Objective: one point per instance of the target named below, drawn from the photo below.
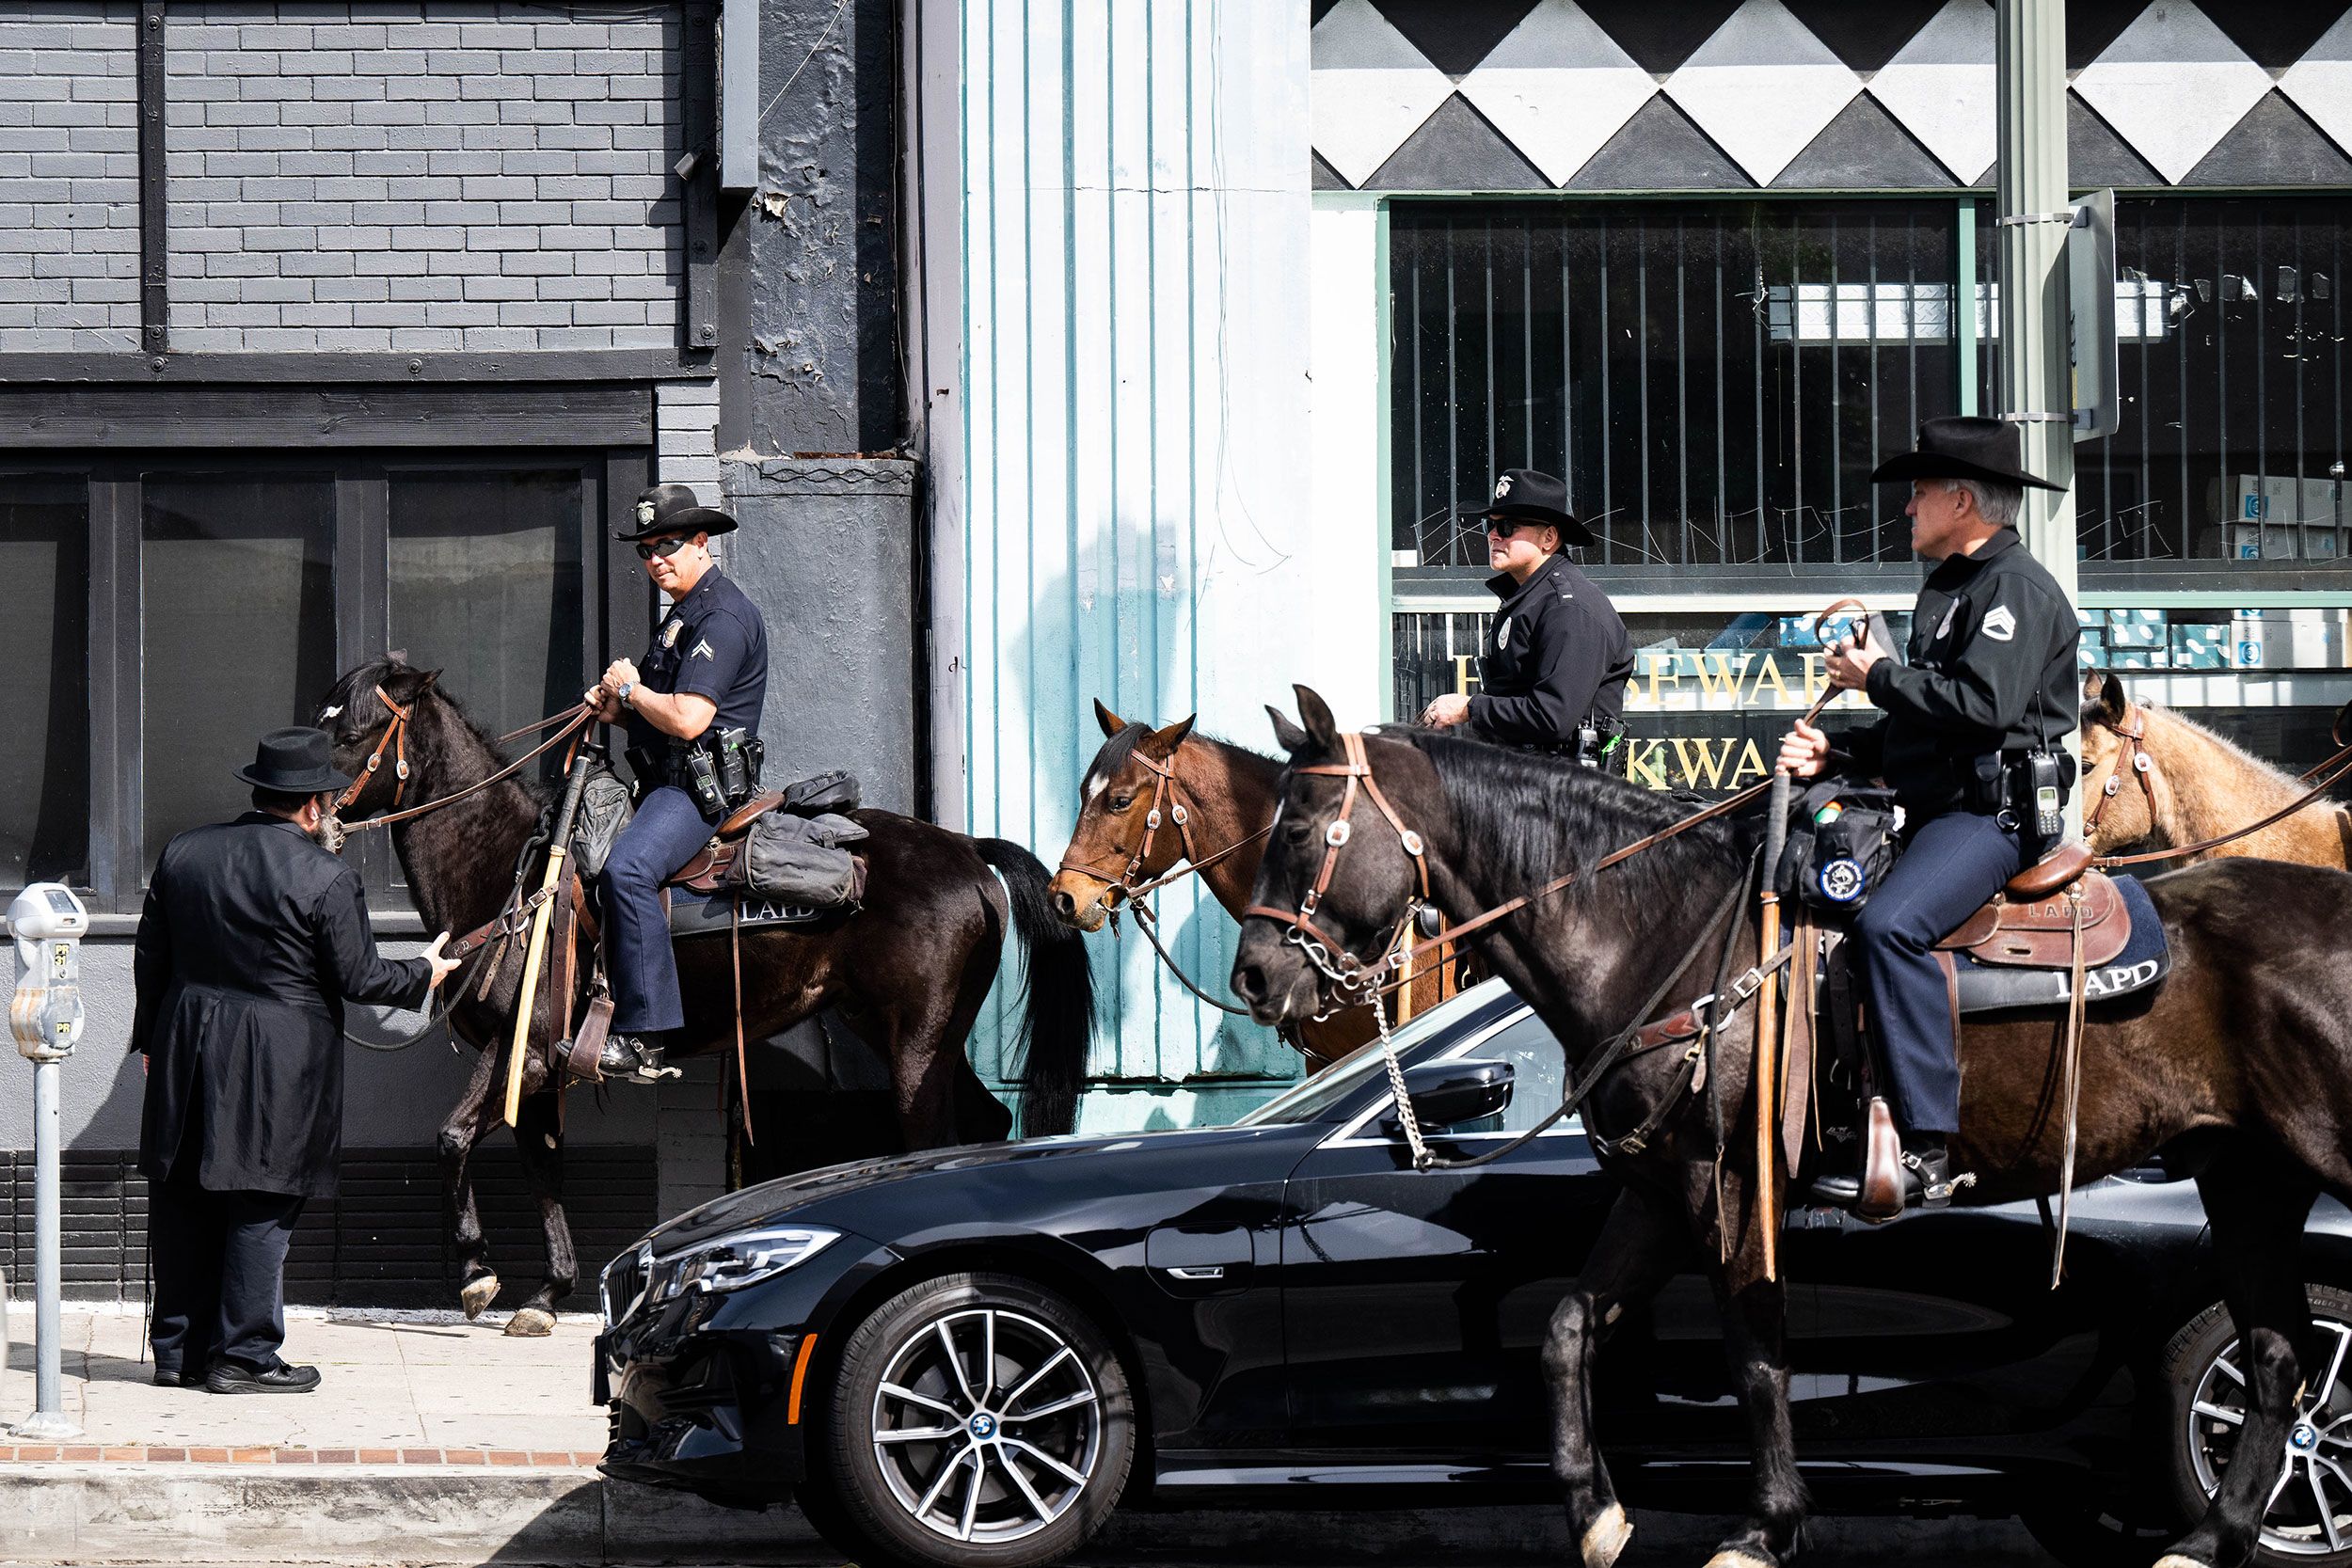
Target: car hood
(1110, 1163)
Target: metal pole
(48, 1419)
(2036, 382)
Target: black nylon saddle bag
(1841, 844)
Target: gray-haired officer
(1554, 669)
(1976, 719)
(693, 712)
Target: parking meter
(45, 1012)
(45, 1015)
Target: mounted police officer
(692, 714)
(1976, 725)
(1554, 669)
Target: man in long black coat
(252, 940)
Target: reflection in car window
(1537, 1065)
(1312, 1098)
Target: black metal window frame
(612, 590)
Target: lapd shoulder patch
(1999, 625)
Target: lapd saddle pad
(694, 914)
(2144, 959)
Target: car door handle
(1198, 1270)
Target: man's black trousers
(220, 1268)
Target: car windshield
(1312, 1098)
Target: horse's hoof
(478, 1294)
(2174, 1559)
(529, 1322)
(1606, 1537)
(1744, 1560)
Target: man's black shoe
(1927, 1182)
(174, 1378)
(634, 1057)
(227, 1377)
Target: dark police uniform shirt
(712, 643)
(1554, 653)
(1990, 669)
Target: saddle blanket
(692, 915)
(2144, 963)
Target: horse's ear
(1287, 734)
(1112, 723)
(428, 678)
(1163, 743)
(2105, 701)
(1317, 715)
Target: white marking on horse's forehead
(1095, 784)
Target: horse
(908, 970)
(2193, 786)
(1226, 795)
(2248, 1046)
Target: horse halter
(2132, 729)
(1346, 971)
(396, 736)
(1167, 805)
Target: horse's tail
(1058, 1029)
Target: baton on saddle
(537, 950)
(1766, 1072)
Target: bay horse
(2196, 786)
(1228, 794)
(908, 970)
(2248, 1045)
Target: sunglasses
(648, 549)
(1504, 527)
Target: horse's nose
(1249, 983)
(1064, 905)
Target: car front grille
(625, 1283)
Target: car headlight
(732, 1262)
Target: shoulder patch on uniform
(703, 650)
(1999, 625)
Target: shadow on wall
(1060, 642)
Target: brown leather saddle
(708, 871)
(2030, 923)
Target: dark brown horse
(2241, 1061)
(1228, 794)
(908, 971)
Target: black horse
(2242, 1062)
(908, 971)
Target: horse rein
(2328, 773)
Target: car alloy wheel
(986, 1426)
(2309, 1517)
(975, 1420)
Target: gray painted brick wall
(69, 177)
(685, 419)
(452, 176)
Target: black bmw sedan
(972, 1356)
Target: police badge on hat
(644, 513)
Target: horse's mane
(1119, 748)
(2265, 772)
(1530, 819)
(360, 686)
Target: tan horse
(1226, 796)
(2193, 786)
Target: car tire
(2204, 1400)
(1027, 1424)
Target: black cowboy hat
(1537, 497)
(293, 762)
(673, 509)
(1963, 445)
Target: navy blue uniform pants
(664, 834)
(220, 1274)
(1953, 864)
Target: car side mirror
(1446, 1094)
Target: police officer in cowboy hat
(692, 713)
(252, 940)
(1553, 672)
(1977, 715)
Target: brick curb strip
(84, 1453)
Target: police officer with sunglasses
(1554, 669)
(692, 714)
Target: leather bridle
(1167, 806)
(2132, 731)
(570, 721)
(396, 736)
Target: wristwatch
(621, 695)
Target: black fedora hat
(673, 509)
(1964, 446)
(1537, 497)
(294, 761)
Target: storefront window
(238, 625)
(486, 579)
(44, 705)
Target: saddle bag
(1841, 844)
(604, 811)
(800, 861)
(820, 793)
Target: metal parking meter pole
(45, 1016)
